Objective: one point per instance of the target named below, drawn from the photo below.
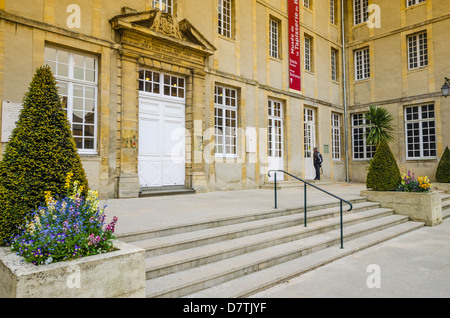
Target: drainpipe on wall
(344, 83)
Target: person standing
(317, 162)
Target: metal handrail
(305, 196)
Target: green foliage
(67, 229)
(384, 174)
(381, 128)
(443, 169)
(38, 157)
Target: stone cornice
(55, 29)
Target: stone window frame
(162, 84)
(334, 55)
(225, 18)
(410, 3)
(275, 140)
(362, 64)
(360, 11)
(307, 4)
(333, 11)
(420, 124)
(67, 74)
(274, 38)
(164, 5)
(360, 150)
(226, 121)
(417, 50)
(336, 137)
(308, 53)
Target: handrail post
(342, 236)
(305, 205)
(275, 178)
(305, 199)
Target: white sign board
(10, 115)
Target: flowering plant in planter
(65, 229)
(409, 184)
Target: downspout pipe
(344, 84)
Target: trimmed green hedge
(443, 169)
(384, 174)
(39, 155)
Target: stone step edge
(251, 284)
(178, 284)
(160, 245)
(221, 221)
(202, 255)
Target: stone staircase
(445, 199)
(163, 191)
(239, 256)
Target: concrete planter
(423, 207)
(119, 273)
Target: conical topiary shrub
(384, 174)
(443, 169)
(39, 155)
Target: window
(360, 11)
(163, 5)
(273, 38)
(333, 11)
(420, 132)
(334, 64)
(161, 84)
(225, 115)
(410, 3)
(224, 17)
(359, 130)
(362, 64)
(76, 76)
(417, 50)
(336, 136)
(307, 4)
(308, 55)
(275, 131)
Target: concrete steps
(239, 256)
(165, 191)
(249, 285)
(445, 199)
(180, 241)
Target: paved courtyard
(416, 264)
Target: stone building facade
(398, 59)
(200, 94)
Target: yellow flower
(68, 179)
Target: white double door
(162, 158)
(275, 139)
(309, 143)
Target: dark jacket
(318, 158)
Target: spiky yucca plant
(380, 127)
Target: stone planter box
(423, 207)
(119, 273)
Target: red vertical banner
(294, 45)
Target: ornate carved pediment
(164, 26)
(164, 23)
